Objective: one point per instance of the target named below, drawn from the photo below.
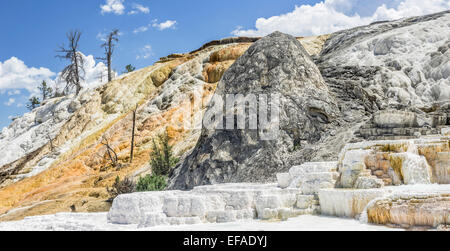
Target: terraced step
(313, 167)
(310, 177)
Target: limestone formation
(411, 210)
(306, 189)
(275, 65)
(363, 132)
(213, 204)
(397, 162)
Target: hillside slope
(54, 158)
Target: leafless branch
(109, 46)
(74, 73)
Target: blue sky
(151, 29)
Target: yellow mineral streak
(221, 60)
(437, 156)
(314, 45)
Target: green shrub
(162, 159)
(151, 183)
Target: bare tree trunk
(132, 135)
(51, 142)
(109, 61)
(72, 73)
(77, 78)
(109, 51)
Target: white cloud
(14, 74)
(138, 8)
(169, 24)
(140, 29)
(113, 6)
(145, 52)
(14, 92)
(10, 102)
(165, 25)
(330, 16)
(95, 74)
(408, 8)
(101, 36)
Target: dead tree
(51, 142)
(111, 39)
(110, 151)
(133, 135)
(74, 73)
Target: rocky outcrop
(399, 64)
(387, 81)
(396, 162)
(275, 65)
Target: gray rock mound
(384, 81)
(276, 64)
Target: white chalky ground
(98, 222)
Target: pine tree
(33, 103)
(45, 90)
(162, 158)
(129, 68)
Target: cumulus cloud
(10, 102)
(332, 15)
(113, 6)
(138, 8)
(408, 8)
(145, 52)
(14, 92)
(140, 29)
(169, 24)
(95, 74)
(14, 74)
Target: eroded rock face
(396, 64)
(276, 64)
(396, 71)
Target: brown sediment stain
(397, 165)
(439, 166)
(221, 60)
